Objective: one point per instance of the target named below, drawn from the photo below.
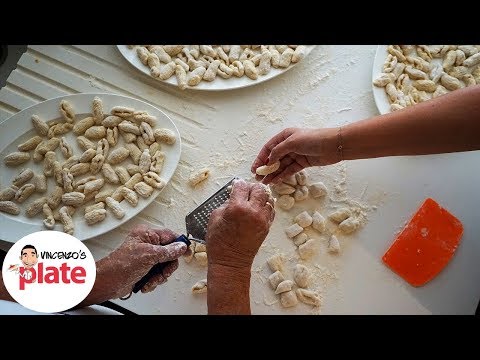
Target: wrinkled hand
(237, 228)
(143, 248)
(296, 149)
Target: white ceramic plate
(18, 128)
(217, 84)
(379, 94)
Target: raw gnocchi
(300, 239)
(308, 297)
(317, 190)
(435, 69)
(293, 230)
(97, 136)
(9, 207)
(95, 216)
(202, 258)
(301, 275)
(340, 215)
(283, 189)
(284, 286)
(115, 207)
(191, 64)
(165, 135)
(275, 279)
(349, 225)
(286, 202)
(16, 158)
(8, 193)
(288, 299)
(265, 170)
(307, 250)
(22, 177)
(303, 219)
(318, 222)
(24, 192)
(275, 262)
(198, 176)
(301, 193)
(301, 178)
(200, 287)
(143, 189)
(333, 245)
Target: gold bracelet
(340, 143)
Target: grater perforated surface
(197, 220)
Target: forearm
(449, 123)
(228, 290)
(100, 291)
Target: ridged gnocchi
(434, 69)
(191, 64)
(97, 138)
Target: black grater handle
(158, 268)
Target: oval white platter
(18, 128)
(216, 85)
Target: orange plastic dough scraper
(425, 245)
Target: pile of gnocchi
(102, 161)
(411, 73)
(198, 252)
(296, 188)
(345, 221)
(284, 288)
(193, 63)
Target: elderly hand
(237, 228)
(144, 247)
(297, 149)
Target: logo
(49, 271)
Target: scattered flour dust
(243, 146)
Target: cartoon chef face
(29, 256)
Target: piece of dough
(303, 219)
(288, 299)
(265, 170)
(284, 286)
(200, 287)
(202, 258)
(340, 215)
(333, 245)
(301, 193)
(283, 189)
(300, 239)
(301, 275)
(198, 176)
(293, 230)
(286, 202)
(275, 262)
(301, 177)
(275, 279)
(307, 250)
(308, 297)
(318, 190)
(318, 222)
(290, 180)
(349, 225)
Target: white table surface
(225, 130)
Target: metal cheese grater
(196, 224)
(197, 220)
